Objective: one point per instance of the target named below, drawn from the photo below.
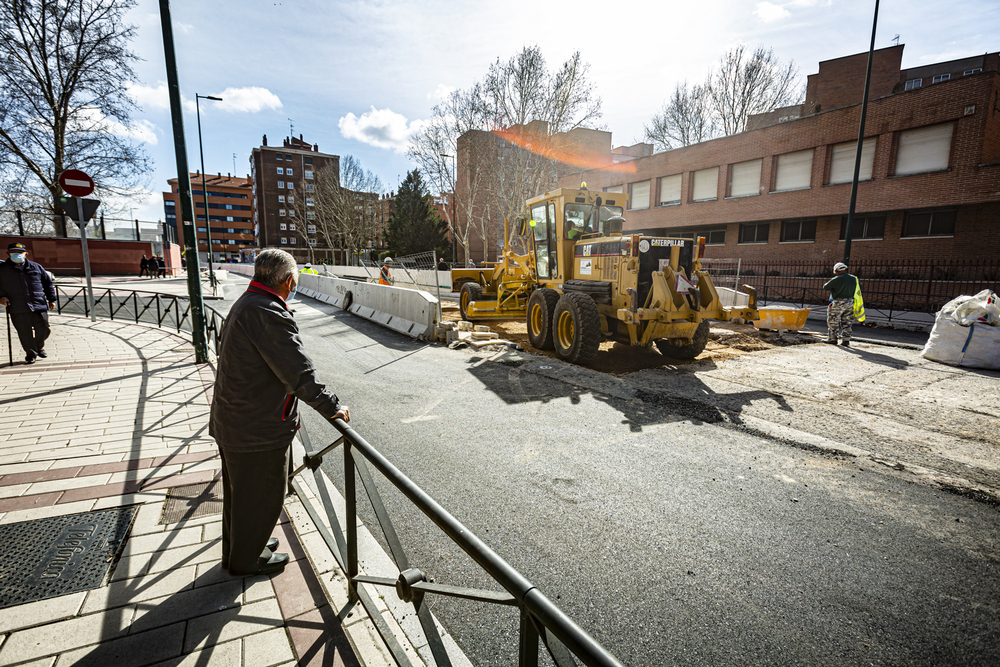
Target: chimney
(265, 140)
(315, 148)
(300, 137)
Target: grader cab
(570, 271)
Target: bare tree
(343, 207)
(64, 70)
(748, 83)
(685, 119)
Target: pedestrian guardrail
(540, 618)
(163, 310)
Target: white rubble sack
(966, 333)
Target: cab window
(578, 219)
(539, 224)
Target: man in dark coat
(263, 372)
(28, 293)
(143, 266)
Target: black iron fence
(892, 287)
(540, 618)
(163, 310)
(48, 224)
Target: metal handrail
(540, 617)
(138, 305)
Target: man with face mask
(28, 294)
(263, 373)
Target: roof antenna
(291, 129)
(234, 163)
(895, 40)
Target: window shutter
(746, 179)
(794, 171)
(924, 149)
(706, 184)
(842, 162)
(640, 195)
(670, 189)
(620, 189)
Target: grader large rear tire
(541, 308)
(470, 292)
(577, 328)
(689, 351)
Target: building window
(291, 213)
(864, 227)
(281, 184)
(938, 78)
(277, 156)
(309, 201)
(312, 229)
(232, 242)
(281, 199)
(288, 171)
(705, 184)
(712, 236)
(798, 230)
(617, 189)
(291, 227)
(843, 157)
(930, 223)
(638, 196)
(308, 160)
(754, 233)
(310, 215)
(282, 226)
(312, 242)
(294, 241)
(744, 178)
(288, 158)
(291, 199)
(670, 189)
(280, 170)
(281, 212)
(924, 149)
(309, 174)
(310, 187)
(231, 230)
(284, 240)
(794, 171)
(289, 185)
(913, 84)
(972, 71)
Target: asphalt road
(670, 535)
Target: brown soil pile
(726, 341)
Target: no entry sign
(76, 183)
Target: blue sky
(358, 77)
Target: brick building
(930, 174)
(283, 180)
(229, 212)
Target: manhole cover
(191, 502)
(59, 555)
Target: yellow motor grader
(576, 278)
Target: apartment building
(929, 185)
(283, 207)
(229, 214)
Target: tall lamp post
(204, 190)
(454, 222)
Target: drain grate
(191, 502)
(50, 557)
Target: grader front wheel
(470, 292)
(689, 351)
(577, 328)
(541, 308)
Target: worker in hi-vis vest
(384, 276)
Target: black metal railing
(540, 618)
(138, 306)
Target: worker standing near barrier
(845, 305)
(308, 268)
(384, 275)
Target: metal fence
(163, 310)
(540, 618)
(892, 287)
(48, 224)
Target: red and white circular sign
(76, 183)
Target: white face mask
(17, 257)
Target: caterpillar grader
(577, 279)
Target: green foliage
(414, 225)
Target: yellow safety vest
(859, 304)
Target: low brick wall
(64, 257)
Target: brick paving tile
(318, 639)
(40, 612)
(187, 604)
(53, 638)
(267, 648)
(132, 651)
(29, 502)
(298, 589)
(139, 589)
(231, 623)
(41, 476)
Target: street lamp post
(454, 222)
(204, 191)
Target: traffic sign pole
(86, 257)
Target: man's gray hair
(273, 266)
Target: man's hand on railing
(344, 413)
(5, 301)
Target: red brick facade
(970, 185)
(229, 211)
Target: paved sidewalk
(116, 416)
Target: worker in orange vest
(384, 276)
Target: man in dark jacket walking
(28, 293)
(263, 372)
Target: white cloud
(91, 119)
(155, 98)
(137, 203)
(383, 128)
(185, 28)
(769, 12)
(249, 99)
(441, 92)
